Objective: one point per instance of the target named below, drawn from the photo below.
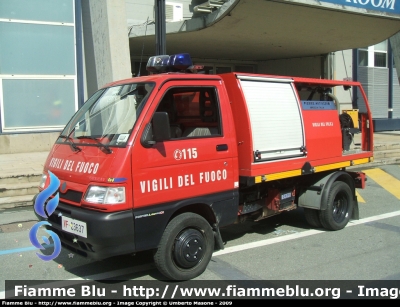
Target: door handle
(222, 147)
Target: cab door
(198, 165)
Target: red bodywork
(153, 175)
(216, 175)
(324, 146)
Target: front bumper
(108, 233)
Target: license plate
(74, 226)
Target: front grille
(71, 195)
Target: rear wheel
(339, 207)
(185, 248)
(312, 217)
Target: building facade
(38, 67)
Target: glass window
(37, 103)
(380, 59)
(39, 10)
(380, 54)
(36, 49)
(192, 112)
(373, 56)
(109, 115)
(363, 57)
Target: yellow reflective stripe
(320, 168)
(362, 161)
(276, 176)
(327, 167)
(258, 179)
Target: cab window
(193, 112)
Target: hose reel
(348, 130)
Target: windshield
(108, 116)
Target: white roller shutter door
(276, 121)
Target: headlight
(105, 195)
(43, 181)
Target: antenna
(145, 31)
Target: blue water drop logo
(45, 211)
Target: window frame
(371, 52)
(185, 122)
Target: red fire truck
(163, 162)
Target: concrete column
(395, 43)
(106, 42)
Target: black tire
(185, 248)
(312, 217)
(339, 208)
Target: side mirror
(161, 131)
(147, 137)
(156, 131)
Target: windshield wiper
(71, 142)
(108, 150)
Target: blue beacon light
(181, 62)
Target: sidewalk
(19, 164)
(391, 137)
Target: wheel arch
(199, 208)
(315, 196)
(148, 231)
(208, 213)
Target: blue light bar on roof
(167, 63)
(180, 61)
(157, 63)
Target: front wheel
(185, 248)
(339, 207)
